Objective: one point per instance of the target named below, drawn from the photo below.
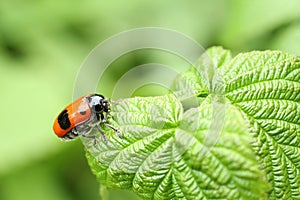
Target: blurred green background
(42, 45)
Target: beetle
(83, 115)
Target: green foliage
(265, 86)
(160, 154)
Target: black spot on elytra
(63, 120)
(83, 112)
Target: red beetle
(81, 116)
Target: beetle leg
(102, 134)
(91, 136)
(103, 121)
(112, 127)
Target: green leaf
(265, 86)
(159, 156)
